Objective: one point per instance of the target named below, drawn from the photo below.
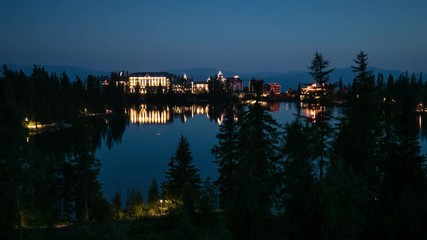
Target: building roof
(152, 74)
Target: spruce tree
(136, 204)
(298, 191)
(153, 192)
(321, 130)
(319, 70)
(182, 177)
(255, 178)
(359, 127)
(226, 155)
(117, 206)
(403, 187)
(357, 152)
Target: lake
(151, 138)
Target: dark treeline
(48, 98)
(359, 176)
(51, 178)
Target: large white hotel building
(145, 80)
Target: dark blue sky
(242, 36)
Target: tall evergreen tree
(136, 204)
(298, 193)
(403, 186)
(359, 128)
(182, 177)
(255, 173)
(12, 170)
(322, 131)
(357, 153)
(226, 155)
(117, 206)
(318, 69)
(153, 198)
(153, 192)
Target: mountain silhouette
(286, 79)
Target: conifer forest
(356, 175)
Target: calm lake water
(152, 134)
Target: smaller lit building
(272, 88)
(311, 92)
(182, 85)
(253, 83)
(232, 84)
(200, 87)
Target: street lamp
(161, 206)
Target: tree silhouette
(226, 156)
(182, 177)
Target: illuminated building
(200, 87)
(235, 84)
(182, 85)
(232, 84)
(268, 89)
(253, 82)
(144, 82)
(311, 92)
(273, 88)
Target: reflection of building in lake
(270, 106)
(274, 106)
(310, 110)
(148, 114)
(190, 111)
(144, 115)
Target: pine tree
(182, 177)
(403, 187)
(209, 197)
(153, 192)
(298, 191)
(318, 69)
(255, 178)
(117, 206)
(136, 204)
(357, 153)
(322, 131)
(359, 127)
(226, 155)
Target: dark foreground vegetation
(357, 176)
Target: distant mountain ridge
(286, 79)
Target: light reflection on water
(149, 142)
(152, 135)
(421, 118)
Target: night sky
(243, 36)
